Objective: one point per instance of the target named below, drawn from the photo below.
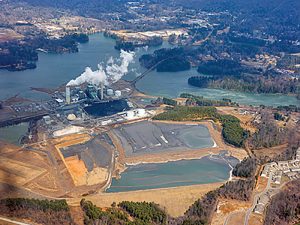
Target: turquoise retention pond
(171, 174)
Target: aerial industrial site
(90, 130)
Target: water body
(171, 174)
(173, 84)
(54, 70)
(13, 134)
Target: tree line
(54, 212)
(201, 101)
(232, 131)
(170, 60)
(248, 83)
(21, 55)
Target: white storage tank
(71, 117)
(141, 112)
(130, 115)
(118, 93)
(110, 92)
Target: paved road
(12, 221)
(249, 211)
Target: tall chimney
(68, 95)
(102, 90)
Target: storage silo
(118, 93)
(110, 92)
(130, 115)
(141, 112)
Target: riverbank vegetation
(232, 132)
(201, 101)
(248, 83)
(132, 45)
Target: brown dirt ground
(227, 206)
(18, 172)
(256, 219)
(77, 215)
(270, 152)
(246, 120)
(77, 169)
(8, 35)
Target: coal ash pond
(108, 108)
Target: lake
(56, 69)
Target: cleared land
(18, 172)
(86, 159)
(246, 119)
(8, 35)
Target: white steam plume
(111, 73)
(94, 77)
(115, 71)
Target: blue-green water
(173, 84)
(171, 174)
(54, 70)
(12, 134)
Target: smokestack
(102, 90)
(68, 95)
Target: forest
(132, 45)
(167, 60)
(54, 212)
(141, 213)
(147, 212)
(173, 65)
(201, 101)
(269, 134)
(232, 132)
(22, 55)
(248, 83)
(284, 208)
(220, 67)
(246, 168)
